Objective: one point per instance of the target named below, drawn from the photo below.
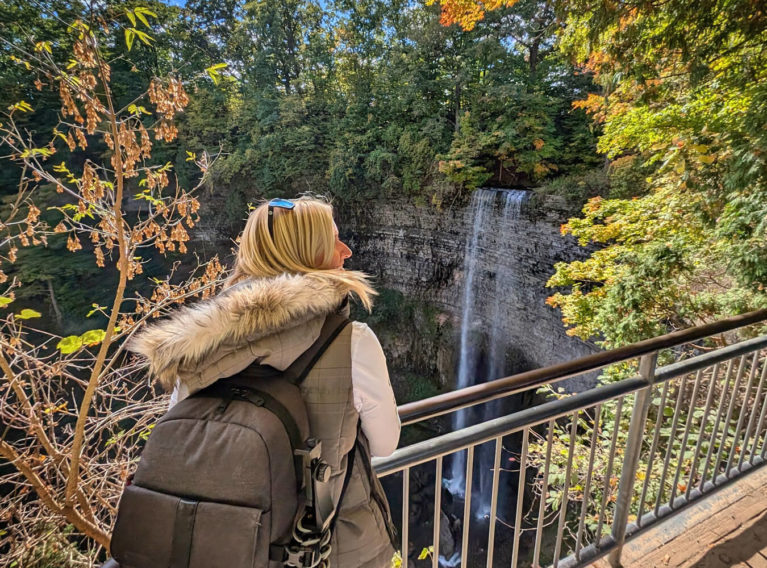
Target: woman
(288, 277)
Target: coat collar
(241, 315)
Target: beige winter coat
(274, 321)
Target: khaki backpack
(229, 478)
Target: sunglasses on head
(282, 204)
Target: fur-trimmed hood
(257, 318)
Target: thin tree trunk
(54, 303)
(457, 106)
(534, 49)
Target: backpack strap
(347, 478)
(333, 326)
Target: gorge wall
(420, 251)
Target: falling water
(497, 344)
(486, 224)
(481, 207)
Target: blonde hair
(304, 242)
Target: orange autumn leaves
(466, 13)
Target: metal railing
(573, 477)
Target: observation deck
(660, 466)
(727, 529)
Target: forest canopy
(360, 101)
(682, 105)
(653, 116)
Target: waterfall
(497, 343)
(487, 225)
(482, 203)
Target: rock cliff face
(420, 252)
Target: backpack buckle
(304, 556)
(317, 491)
(293, 556)
(248, 395)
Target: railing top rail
(477, 394)
(450, 442)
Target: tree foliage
(684, 97)
(377, 99)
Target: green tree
(687, 99)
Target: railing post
(631, 458)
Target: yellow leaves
(538, 143)
(540, 169)
(449, 166)
(62, 169)
(28, 314)
(214, 72)
(138, 13)
(593, 205)
(52, 409)
(36, 152)
(138, 110)
(41, 46)
(426, 553)
(70, 344)
(93, 337)
(79, 27)
(132, 33)
(21, 106)
(593, 104)
(21, 62)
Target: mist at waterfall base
(483, 345)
